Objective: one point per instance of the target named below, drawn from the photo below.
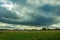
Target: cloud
(31, 12)
(28, 19)
(5, 25)
(56, 26)
(54, 10)
(22, 2)
(7, 14)
(21, 27)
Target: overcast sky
(29, 13)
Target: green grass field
(30, 35)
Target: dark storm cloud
(37, 20)
(47, 8)
(7, 14)
(57, 10)
(53, 9)
(42, 21)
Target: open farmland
(30, 35)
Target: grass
(30, 35)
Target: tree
(43, 28)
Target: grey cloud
(47, 8)
(7, 14)
(53, 9)
(37, 19)
(23, 2)
(5, 27)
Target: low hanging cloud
(34, 20)
(30, 12)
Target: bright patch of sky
(6, 4)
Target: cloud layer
(31, 12)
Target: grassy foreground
(30, 35)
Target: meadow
(30, 35)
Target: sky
(29, 14)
